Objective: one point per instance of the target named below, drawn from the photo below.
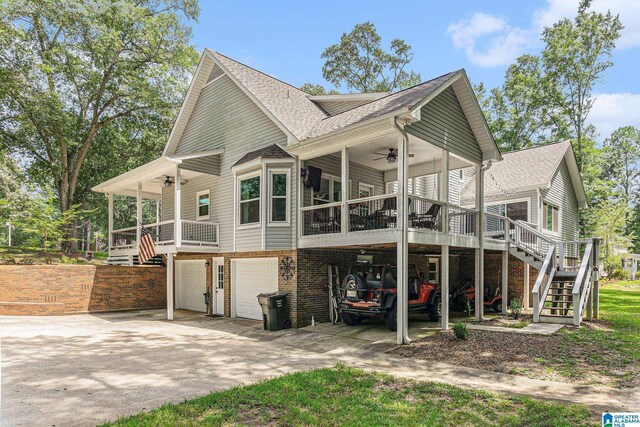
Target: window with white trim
(203, 203)
(279, 196)
(249, 200)
(365, 190)
(330, 190)
(551, 217)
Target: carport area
(432, 264)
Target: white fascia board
(141, 173)
(494, 153)
(181, 113)
(196, 155)
(258, 162)
(415, 111)
(291, 139)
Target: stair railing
(582, 286)
(542, 286)
(527, 238)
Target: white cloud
(489, 40)
(504, 43)
(613, 110)
(629, 11)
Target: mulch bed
(536, 356)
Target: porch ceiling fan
(391, 155)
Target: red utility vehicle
(371, 291)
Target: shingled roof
(271, 152)
(526, 169)
(404, 99)
(288, 104)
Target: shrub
(516, 307)
(620, 274)
(460, 330)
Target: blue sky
(286, 38)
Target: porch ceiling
(151, 175)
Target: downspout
(402, 261)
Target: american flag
(147, 248)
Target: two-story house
(263, 186)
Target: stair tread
(555, 315)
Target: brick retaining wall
(38, 290)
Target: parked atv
(463, 298)
(371, 291)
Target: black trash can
(274, 311)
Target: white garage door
(191, 284)
(250, 277)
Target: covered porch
(171, 231)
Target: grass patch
(351, 397)
(12, 255)
(604, 352)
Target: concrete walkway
(84, 369)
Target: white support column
(444, 190)
(169, 286)
(264, 205)
(344, 212)
(527, 286)
(177, 208)
(138, 213)
(300, 194)
(297, 197)
(403, 244)
(505, 281)
(444, 288)
(479, 280)
(110, 222)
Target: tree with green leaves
(622, 167)
(78, 72)
(45, 223)
(314, 89)
(359, 62)
(519, 112)
(576, 55)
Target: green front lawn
(345, 396)
(613, 343)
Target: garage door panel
(253, 276)
(191, 283)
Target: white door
(250, 277)
(191, 284)
(218, 286)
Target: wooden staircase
(561, 293)
(557, 306)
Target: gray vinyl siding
(444, 116)
(279, 236)
(224, 117)
(562, 194)
(331, 165)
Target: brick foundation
(308, 290)
(38, 290)
(493, 274)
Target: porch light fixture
(167, 182)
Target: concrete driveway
(85, 369)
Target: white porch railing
(381, 213)
(543, 282)
(195, 233)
